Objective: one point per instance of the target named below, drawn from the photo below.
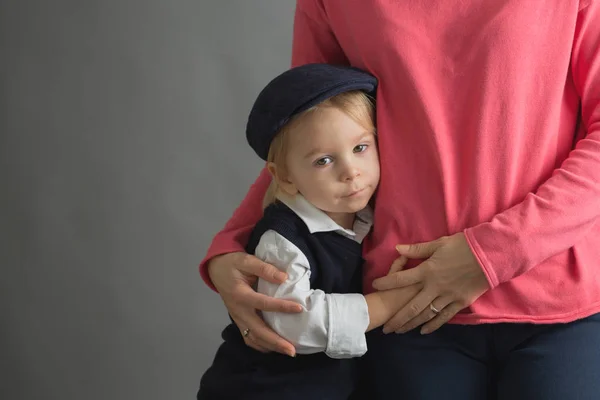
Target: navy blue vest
(335, 260)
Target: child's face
(332, 161)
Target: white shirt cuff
(348, 321)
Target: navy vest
(335, 260)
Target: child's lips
(354, 193)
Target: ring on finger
(432, 308)
(246, 332)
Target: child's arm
(330, 322)
(385, 304)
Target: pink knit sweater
(488, 118)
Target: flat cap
(296, 90)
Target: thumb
(252, 267)
(418, 250)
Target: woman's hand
(233, 275)
(451, 279)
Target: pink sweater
(488, 117)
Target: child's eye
(360, 148)
(323, 161)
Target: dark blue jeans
(492, 361)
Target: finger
(255, 266)
(418, 250)
(248, 297)
(398, 264)
(252, 343)
(445, 315)
(264, 336)
(425, 316)
(440, 303)
(288, 351)
(271, 341)
(399, 279)
(259, 331)
(409, 311)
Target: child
(314, 125)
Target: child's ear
(282, 180)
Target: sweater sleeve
(565, 207)
(234, 236)
(313, 42)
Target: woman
(489, 134)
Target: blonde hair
(356, 104)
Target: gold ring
(432, 308)
(246, 332)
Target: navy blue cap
(295, 91)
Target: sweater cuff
(500, 251)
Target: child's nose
(351, 172)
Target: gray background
(122, 153)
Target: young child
(314, 126)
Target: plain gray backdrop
(122, 152)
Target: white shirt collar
(317, 221)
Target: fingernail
(281, 276)
(424, 331)
(386, 330)
(292, 355)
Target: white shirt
(333, 323)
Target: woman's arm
(234, 236)
(565, 207)
(547, 222)
(226, 267)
